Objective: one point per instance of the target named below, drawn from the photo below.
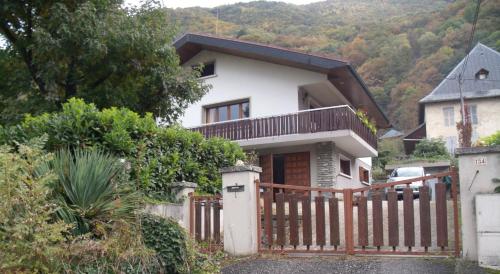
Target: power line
(469, 46)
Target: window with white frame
(474, 136)
(472, 109)
(364, 175)
(206, 69)
(451, 143)
(449, 116)
(482, 74)
(345, 166)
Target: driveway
(352, 265)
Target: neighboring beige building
(440, 110)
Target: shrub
(492, 140)
(158, 156)
(379, 174)
(175, 249)
(30, 239)
(366, 121)
(122, 251)
(88, 190)
(431, 148)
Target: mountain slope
(401, 48)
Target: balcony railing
(302, 122)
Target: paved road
(352, 265)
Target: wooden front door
(266, 163)
(298, 169)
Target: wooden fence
(205, 218)
(311, 219)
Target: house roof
(391, 134)
(417, 133)
(480, 58)
(411, 139)
(340, 73)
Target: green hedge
(158, 156)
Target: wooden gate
(205, 222)
(366, 220)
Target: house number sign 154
(480, 161)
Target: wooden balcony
(302, 122)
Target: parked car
(404, 173)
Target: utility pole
(461, 78)
(462, 103)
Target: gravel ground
(352, 265)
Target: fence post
(240, 211)
(454, 193)
(191, 214)
(349, 225)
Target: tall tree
(97, 50)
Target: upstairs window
(482, 74)
(473, 114)
(449, 117)
(206, 70)
(227, 111)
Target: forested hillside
(402, 48)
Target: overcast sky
(207, 3)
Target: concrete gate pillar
(184, 190)
(240, 209)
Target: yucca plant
(89, 192)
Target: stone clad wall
(326, 164)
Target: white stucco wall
(488, 113)
(271, 89)
(353, 180)
(476, 171)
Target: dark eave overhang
(339, 72)
(190, 44)
(370, 97)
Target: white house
(295, 110)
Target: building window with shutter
(449, 116)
